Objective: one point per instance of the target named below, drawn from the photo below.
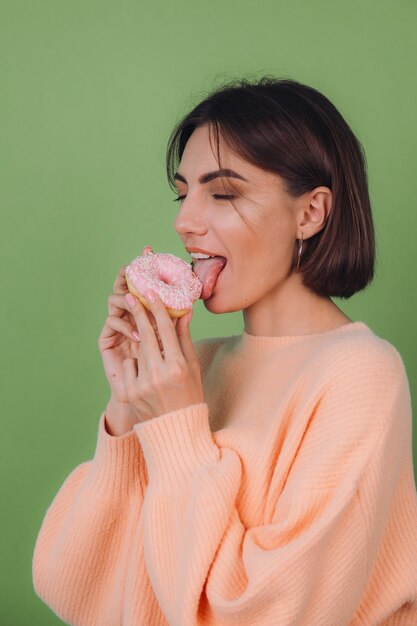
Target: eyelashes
(215, 195)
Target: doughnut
(169, 276)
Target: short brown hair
(290, 129)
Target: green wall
(89, 94)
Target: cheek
(253, 272)
(279, 237)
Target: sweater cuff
(176, 444)
(118, 467)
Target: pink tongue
(208, 271)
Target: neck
(292, 309)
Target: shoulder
(363, 356)
(363, 375)
(356, 387)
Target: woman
(264, 478)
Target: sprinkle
(170, 277)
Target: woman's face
(257, 240)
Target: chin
(214, 305)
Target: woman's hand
(116, 342)
(156, 382)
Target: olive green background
(89, 93)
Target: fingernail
(131, 300)
(150, 296)
(135, 335)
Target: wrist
(120, 417)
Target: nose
(190, 220)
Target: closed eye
(215, 195)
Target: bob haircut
(290, 129)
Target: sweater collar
(254, 345)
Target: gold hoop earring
(300, 248)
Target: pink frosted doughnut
(169, 276)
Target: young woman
(262, 479)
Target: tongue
(208, 271)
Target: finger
(115, 325)
(118, 307)
(130, 376)
(136, 352)
(185, 340)
(149, 341)
(120, 284)
(166, 328)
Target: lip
(203, 251)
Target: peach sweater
(287, 498)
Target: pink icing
(169, 276)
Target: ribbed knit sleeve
(90, 535)
(310, 563)
(88, 564)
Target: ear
(314, 211)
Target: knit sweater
(286, 498)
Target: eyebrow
(205, 178)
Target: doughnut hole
(173, 313)
(164, 277)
